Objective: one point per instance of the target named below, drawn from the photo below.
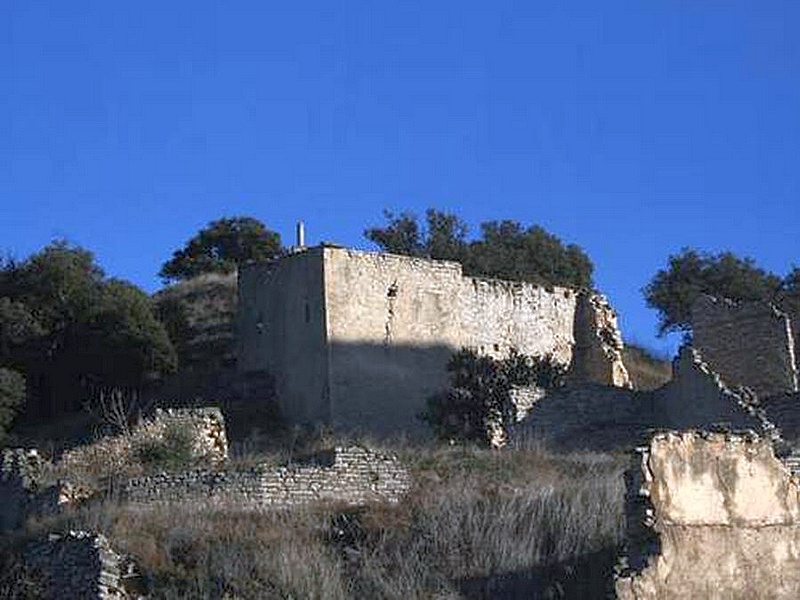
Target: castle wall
(747, 343)
(394, 321)
(727, 516)
(587, 417)
(383, 327)
(498, 315)
(281, 327)
(697, 397)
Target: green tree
(689, 274)
(789, 296)
(443, 236)
(480, 393)
(506, 249)
(12, 397)
(221, 247)
(509, 251)
(63, 323)
(401, 235)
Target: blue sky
(631, 128)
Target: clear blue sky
(631, 128)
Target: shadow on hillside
(589, 578)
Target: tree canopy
(690, 273)
(221, 247)
(63, 322)
(506, 249)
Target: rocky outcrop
(726, 516)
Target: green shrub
(171, 451)
(480, 393)
(12, 397)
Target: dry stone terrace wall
(77, 565)
(349, 475)
(727, 516)
(747, 343)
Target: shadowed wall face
(747, 343)
(282, 327)
(394, 321)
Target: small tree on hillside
(480, 393)
(689, 274)
(221, 247)
(12, 397)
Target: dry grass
(647, 371)
(475, 517)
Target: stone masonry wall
(587, 417)
(350, 475)
(697, 397)
(77, 565)
(726, 514)
(598, 343)
(393, 323)
(206, 426)
(748, 343)
(597, 417)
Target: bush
(480, 393)
(170, 452)
(12, 397)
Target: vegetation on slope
(478, 523)
(646, 370)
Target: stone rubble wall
(596, 417)
(748, 343)
(587, 417)
(32, 485)
(697, 397)
(350, 475)
(725, 514)
(26, 487)
(116, 454)
(77, 565)
(598, 343)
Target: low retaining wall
(726, 517)
(351, 475)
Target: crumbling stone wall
(26, 487)
(77, 565)
(597, 417)
(748, 343)
(598, 343)
(697, 397)
(351, 475)
(587, 417)
(205, 426)
(727, 516)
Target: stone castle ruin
(360, 340)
